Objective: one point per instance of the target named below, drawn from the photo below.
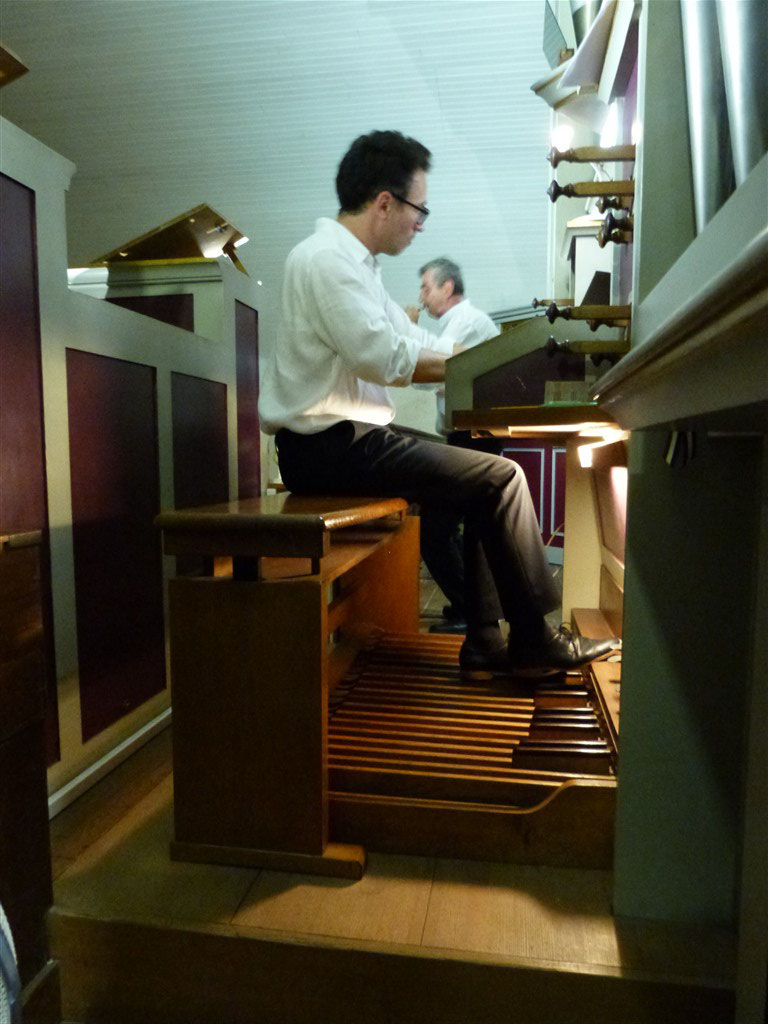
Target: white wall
(248, 105)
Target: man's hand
(412, 312)
(458, 348)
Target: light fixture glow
(562, 136)
(610, 435)
(584, 452)
(610, 133)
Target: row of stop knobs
(616, 227)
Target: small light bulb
(610, 133)
(585, 455)
(562, 136)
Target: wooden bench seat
(254, 655)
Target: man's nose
(419, 227)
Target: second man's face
(433, 296)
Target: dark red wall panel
(200, 448)
(22, 475)
(115, 498)
(178, 310)
(200, 452)
(248, 437)
(544, 466)
(23, 500)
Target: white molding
(68, 793)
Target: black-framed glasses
(423, 211)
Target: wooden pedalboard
(423, 762)
(311, 721)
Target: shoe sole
(482, 675)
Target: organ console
(336, 727)
(332, 726)
(594, 527)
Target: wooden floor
(143, 939)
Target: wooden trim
(555, 419)
(41, 998)
(338, 860)
(552, 833)
(273, 525)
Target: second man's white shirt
(467, 325)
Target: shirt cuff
(443, 343)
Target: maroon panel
(23, 501)
(178, 310)
(545, 473)
(200, 452)
(22, 479)
(200, 448)
(557, 524)
(248, 436)
(532, 454)
(531, 458)
(115, 498)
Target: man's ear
(383, 202)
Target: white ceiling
(248, 105)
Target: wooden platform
(145, 940)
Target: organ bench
(312, 721)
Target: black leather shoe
(483, 664)
(560, 652)
(453, 626)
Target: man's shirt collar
(348, 243)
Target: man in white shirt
(442, 295)
(341, 343)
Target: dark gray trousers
(505, 564)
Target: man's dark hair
(444, 270)
(378, 162)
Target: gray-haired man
(442, 295)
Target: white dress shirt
(342, 340)
(469, 326)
